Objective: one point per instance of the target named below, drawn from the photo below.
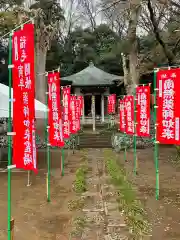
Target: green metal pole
(125, 147)
(48, 180)
(9, 138)
(155, 140)
(78, 141)
(62, 161)
(134, 137)
(125, 151)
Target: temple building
(94, 85)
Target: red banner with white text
(143, 111)
(81, 101)
(73, 124)
(122, 116)
(66, 92)
(54, 113)
(168, 110)
(112, 104)
(24, 145)
(78, 114)
(129, 114)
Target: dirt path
(99, 215)
(164, 214)
(34, 217)
(103, 219)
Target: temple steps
(95, 140)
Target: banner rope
(45, 73)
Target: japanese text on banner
(81, 101)
(54, 113)
(24, 145)
(112, 104)
(122, 116)
(143, 111)
(66, 91)
(129, 113)
(73, 123)
(168, 100)
(78, 114)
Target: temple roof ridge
(93, 76)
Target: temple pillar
(102, 108)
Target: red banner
(129, 114)
(112, 104)
(73, 124)
(109, 105)
(54, 113)
(143, 111)
(66, 91)
(122, 116)
(168, 102)
(81, 101)
(78, 114)
(24, 145)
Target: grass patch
(136, 217)
(78, 226)
(77, 204)
(80, 181)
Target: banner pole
(155, 139)
(9, 137)
(62, 161)
(28, 179)
(48, 180)
(125, 149)
(62, 149)
(134, 137)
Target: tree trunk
(135, 9)
(41, 79)
(125, 70)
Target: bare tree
(115, 16)
(130, 10)
(88, 10)
(172, 8)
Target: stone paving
(103, 219)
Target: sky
(67, 7)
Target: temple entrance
(98, 105)
(88, 106)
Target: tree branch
(168, 55)
(175, 47)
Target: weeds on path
(132, 208)
(80, 181)
(78, 222)
(78, 226)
